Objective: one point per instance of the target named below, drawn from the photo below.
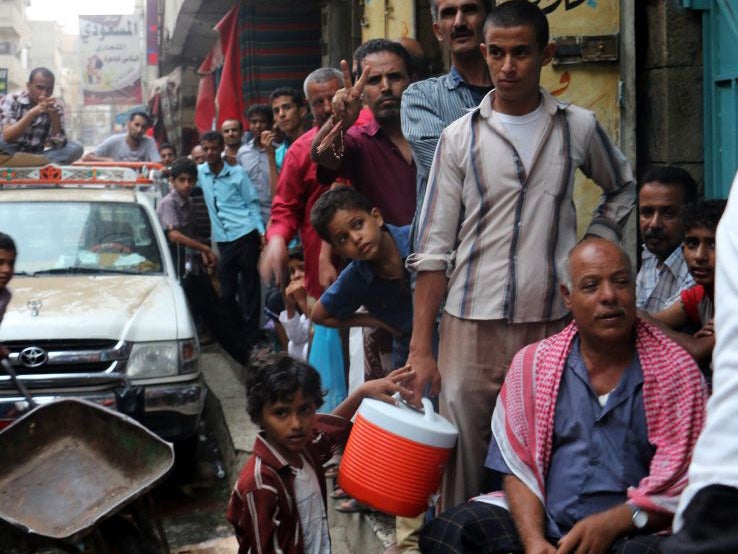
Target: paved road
(192, 506)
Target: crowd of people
(436, 213)
(451, 199)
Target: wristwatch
(639, 518)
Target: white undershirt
(602, 399)
(524, 131)
(310, 506)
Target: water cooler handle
(427, 411)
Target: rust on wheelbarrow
(66, 465)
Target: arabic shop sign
(111, 58)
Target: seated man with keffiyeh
(594, 429)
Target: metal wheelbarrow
(68, 464)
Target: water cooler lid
(425, 427)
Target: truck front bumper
(171, 410)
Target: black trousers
(481, 528)
(238, 262)
(205, 303)
(710, 523)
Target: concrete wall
(669, 86)
(46, 46)
(70, 85)
(14, 40)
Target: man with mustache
(593, 430)
(662, 195)
(431, 105)
(375, 156)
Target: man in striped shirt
(495, 228)
(429, 106)
(663, 193)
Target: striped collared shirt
(501, 233)
(428, 107)
(657, 288)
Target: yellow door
(390, 19)
(587, 72)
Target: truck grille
(62, 344)
(65, 357)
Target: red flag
(228, 100)
(205, 106)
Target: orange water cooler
(396, 456)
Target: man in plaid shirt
(32, 121)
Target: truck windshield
(81, 237)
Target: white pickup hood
(134, 308)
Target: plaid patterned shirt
(657, 288)
(36, 136)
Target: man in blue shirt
(237, 227)
(593, 429)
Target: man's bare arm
(321, 316)
(430, 289)
(529, 516)
(597, 533)
(327, 146)
(267, 138)
(13, 132)
(698, 346)
(55, 119)
(91, 157)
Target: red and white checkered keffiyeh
(674, 396)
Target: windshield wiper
(83, 270)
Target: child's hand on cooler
(383, 389)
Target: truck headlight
(162, 359)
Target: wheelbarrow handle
(17, 382)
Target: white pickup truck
(97, 310)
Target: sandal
(338, 493)
(353, 506)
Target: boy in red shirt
(278, 504)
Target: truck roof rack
(99, 174)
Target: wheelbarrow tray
(67, 464)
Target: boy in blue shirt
(376, 278)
